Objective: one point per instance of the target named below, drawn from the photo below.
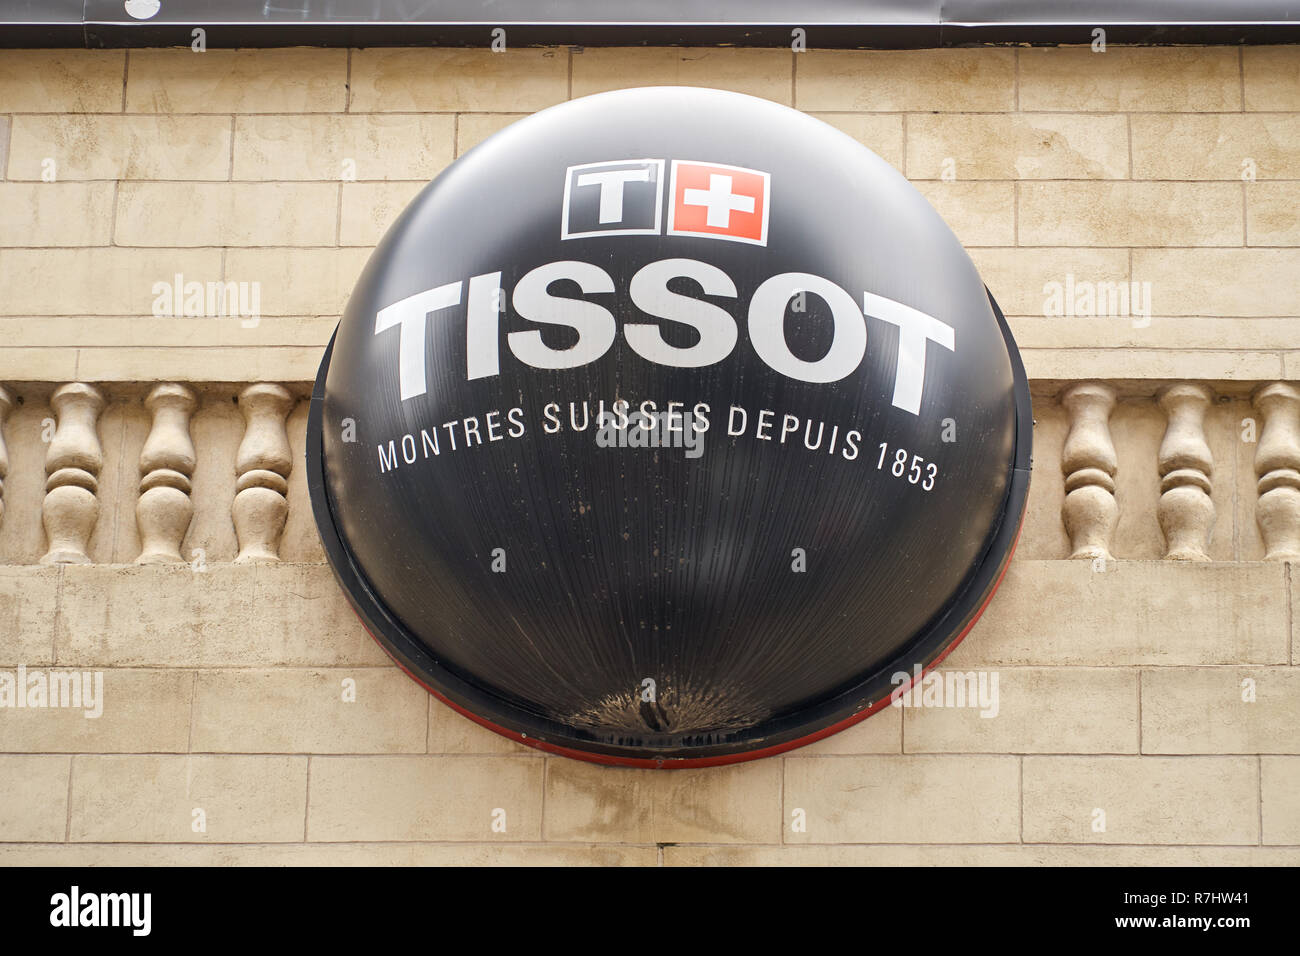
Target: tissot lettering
(650, 293)
(596, 329)
(767, 328)
(915, 328)
(409, 315)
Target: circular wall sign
(669, 427)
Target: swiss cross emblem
(722, 202)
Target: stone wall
(1149, 685)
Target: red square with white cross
(720, 202)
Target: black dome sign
(668, 427)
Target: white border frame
(672, 202)
(659, 202)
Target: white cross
(719, 199)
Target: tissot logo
(626, 198)
(613, 199)
(722, 202)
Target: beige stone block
(1017, 146)
(227, 214)
(35, 364)
(342, 148)
(297, 281)
(949, 855)
(881, 733)
(1215, 146)
(912, 799)
(1273, 214)
(1042, 532)
(882, 133)
(186, 364)
(305, 620)
(352, 710)
(4, 143)
(96, 281)
(227, 616)
(739, 803)
(33, 797)
(61, 81)
(296, 80)
(1052, 613)
(1280, 790)
(218, 428)
(1018, 278)
(766, 73)
(28, 597)
(1065, 364)
(1210, 800)
(370, 208)
(1293, 572)
(457, 80)
(1220, 282)
(300, 543)
(148, 798)
(139, 711)
(135, 332)
(1179, 333)
(981, 214)
(1139, 79)
(425, 798)
(88, 146)
(946, 81)
(1034, 710)
(473, 128)
(1271, 76)
(56, 214)
(329, 854)
(1202, 711)
(123, 427)
(451, 733)
(1130, 214)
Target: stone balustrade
(168, 472)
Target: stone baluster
(1186, 511)
(164, 509)
(263, 463)
(1088, 461)
(1277, 466)
(6, 403)
(72, 465)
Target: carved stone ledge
(1089, 464)
(72, 465)
(164, 509)
(1277, 468)
(1185, 511)
(263, 463)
